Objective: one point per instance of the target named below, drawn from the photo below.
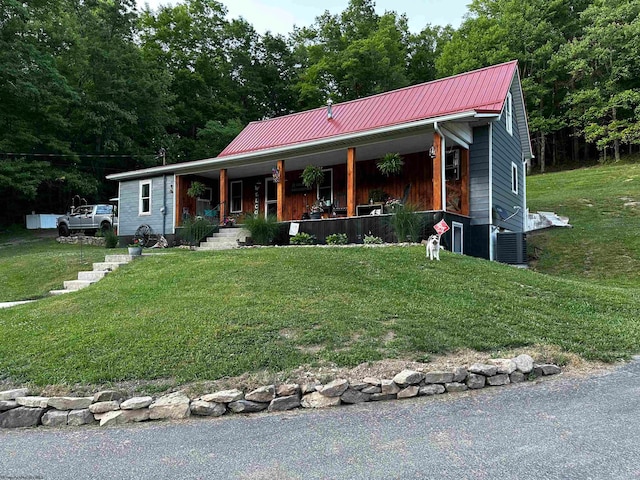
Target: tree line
(92, 87)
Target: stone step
(59, 292)
(221, 240)
(120, 258)
(92, 276)
(110, 266)
(216, 246)
(240, 233)
(76, 284)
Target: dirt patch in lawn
(572, 365)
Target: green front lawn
(205, 315)
(31, 266)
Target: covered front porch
(434, 177)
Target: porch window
(325, 190)
(457, 242)
(144, 205)
(514, 178)
(509, 113)
(236, 196)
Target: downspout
(163, 210)
(492, 229)
(443, 156)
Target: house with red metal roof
(463, 141)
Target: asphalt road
(563, 428)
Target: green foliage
(303, 238)
(195, 189)
(603, 63)
(390, 164)
(470, 304)
(263, 230)
(352, 54)
(337, 239)
(372, 240)
(195, 229)
(406, 223)
(31, 266)
(604, 244)
(378, 195)
(312, 175)
(110, 238)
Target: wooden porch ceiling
(368, 151)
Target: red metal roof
(483, 91)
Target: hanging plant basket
(390, 164)
(312, 175)
(196, 189)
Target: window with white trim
(509, 113)
(144, 205)
(325, 190)
(514, 178)
(236, 196)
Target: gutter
(289, 151)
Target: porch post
(280, 166)
(436, 178)
(223, 195)
(176, 194)
(351, 182)
(464, 175)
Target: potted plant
(313, 175)
(390, 164)
(316, 209)
(135, 248)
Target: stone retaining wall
(18, 409)
(86, 240)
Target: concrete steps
(100, 270)
(225, 239)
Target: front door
(270, 197)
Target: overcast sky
(279, 16)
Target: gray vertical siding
(479, 176)
(507, 149)
(128, 212)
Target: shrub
(372, 240)
(303, 238)
(194, 230)
(263, 230)
(337, 239)
(406, 223)
(110, 239)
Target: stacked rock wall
(18, 409)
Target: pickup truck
(89, 218)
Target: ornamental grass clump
(406, 223)
(263, 230)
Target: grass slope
(31, 266)
(603, 205)
(205, 315)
